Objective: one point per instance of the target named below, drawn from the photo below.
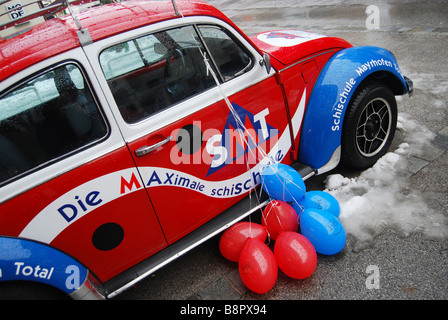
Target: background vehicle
(120, 126)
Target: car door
(198, 113)
(66, 176)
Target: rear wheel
(369, 126)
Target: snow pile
(380, 197)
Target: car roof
(58, 35)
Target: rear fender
(27, 260)
(346, 71)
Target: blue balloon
(319, 200)
(298, 206)
(281, 182)
(323, 230)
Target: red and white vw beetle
(132, 132)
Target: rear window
(45, 118)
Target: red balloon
(295, 255)
(279, 216)
(234, 238)
(257, 266)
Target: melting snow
(381, 196)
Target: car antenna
(176, 12)
(83, 34)
(75, 19)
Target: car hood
(288, 46)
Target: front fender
(342, 75)
(27, 260)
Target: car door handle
(147, 149)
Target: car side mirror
(266, 62)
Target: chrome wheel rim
(374, 127)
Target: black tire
(369, 126)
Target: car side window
(229, 56)
(151, 73)
(46, 118)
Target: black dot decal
(108, 236)
(189, 139)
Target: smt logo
(279, 34)
(240, 142)
(287, 38)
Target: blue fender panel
(31, 261)
(343, 73)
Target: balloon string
(241, 129)
(265, 217)
(244, 138)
